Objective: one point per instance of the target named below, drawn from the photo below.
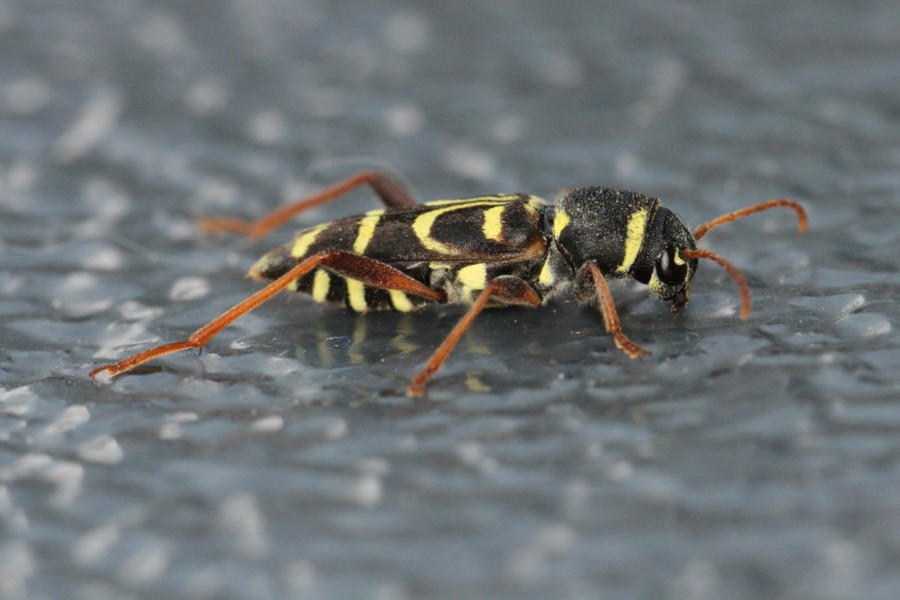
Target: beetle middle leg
(506, 288)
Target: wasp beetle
(498, 250)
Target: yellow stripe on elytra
(356, 295)
(306, 239)
(366, 230)
(424, 222)
(634, 239)
(321, 285)
(493, 223)
(400, 301)
(498, 199)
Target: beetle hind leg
(388, 189)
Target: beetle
(496, 250)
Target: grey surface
(756, 459)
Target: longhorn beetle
(500, 250)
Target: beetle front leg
(608, 310)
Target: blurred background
(741, 460)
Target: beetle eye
(669, 271)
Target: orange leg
(369, 271)
(610, 316)
(388, 189)
(507, 288)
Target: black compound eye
(667, 270)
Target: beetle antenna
(689, 254)
(703, 228)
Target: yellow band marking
(356, 295)
(493, 223)
(634, 239)
(306, 239)
(546, 275)
(366, 230)
(678, 259)
(321, 285)
(424, 222)
(463, 202)
(473, 277)
(560, 222)
(400, 301)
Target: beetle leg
(610, 316)
(507, 288)
(367, 270)
(392, 194)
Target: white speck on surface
(20, 178)
(403, 120)
(561, 69)
(626, 164)
(268, 424)
(70, 418)
(208, 96)
(170, 431)
(146, 564)
(189, 288)
(107, 259)
(26, 465)
(367, 491)
(301, 580)
(529, 563)
(863, 325)
(67, 476)
(468, 161)
(407, 31)
(163, 33)
(17, 401)
(391, 590)
(240, 518)
(79, 293)
(469, 452)
(335, 429)
(97, 119)
(837, 304)
(668, 78)
(620, 470)
(103, 449)
(508, 128)
(16, 568)
(216, 192)
(374, 465)
(106, 200)
(12, 517)
(27, 96)
(696, 581)
(94, 545)
(267, 127)
(122, 336)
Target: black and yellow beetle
(487, 251)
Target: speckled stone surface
(754, 459)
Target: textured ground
(742, 460)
